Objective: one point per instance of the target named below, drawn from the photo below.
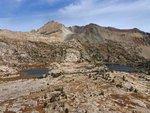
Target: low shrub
(119, 85)
(55, 75)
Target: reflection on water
(35, 72)
(117, 67)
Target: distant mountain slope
(97, 44)
(92, 33)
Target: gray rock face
(72, 55)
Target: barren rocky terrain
(78, 80)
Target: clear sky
(24, 15)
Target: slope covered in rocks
(78, 80)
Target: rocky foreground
(77, 88)
(78, 80)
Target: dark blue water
(39, 72)
(117, 67)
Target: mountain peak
(53, 22)
(50, 27)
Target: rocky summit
(79, 79)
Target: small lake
(117, 67)
(38, 72)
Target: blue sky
(24, 15)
